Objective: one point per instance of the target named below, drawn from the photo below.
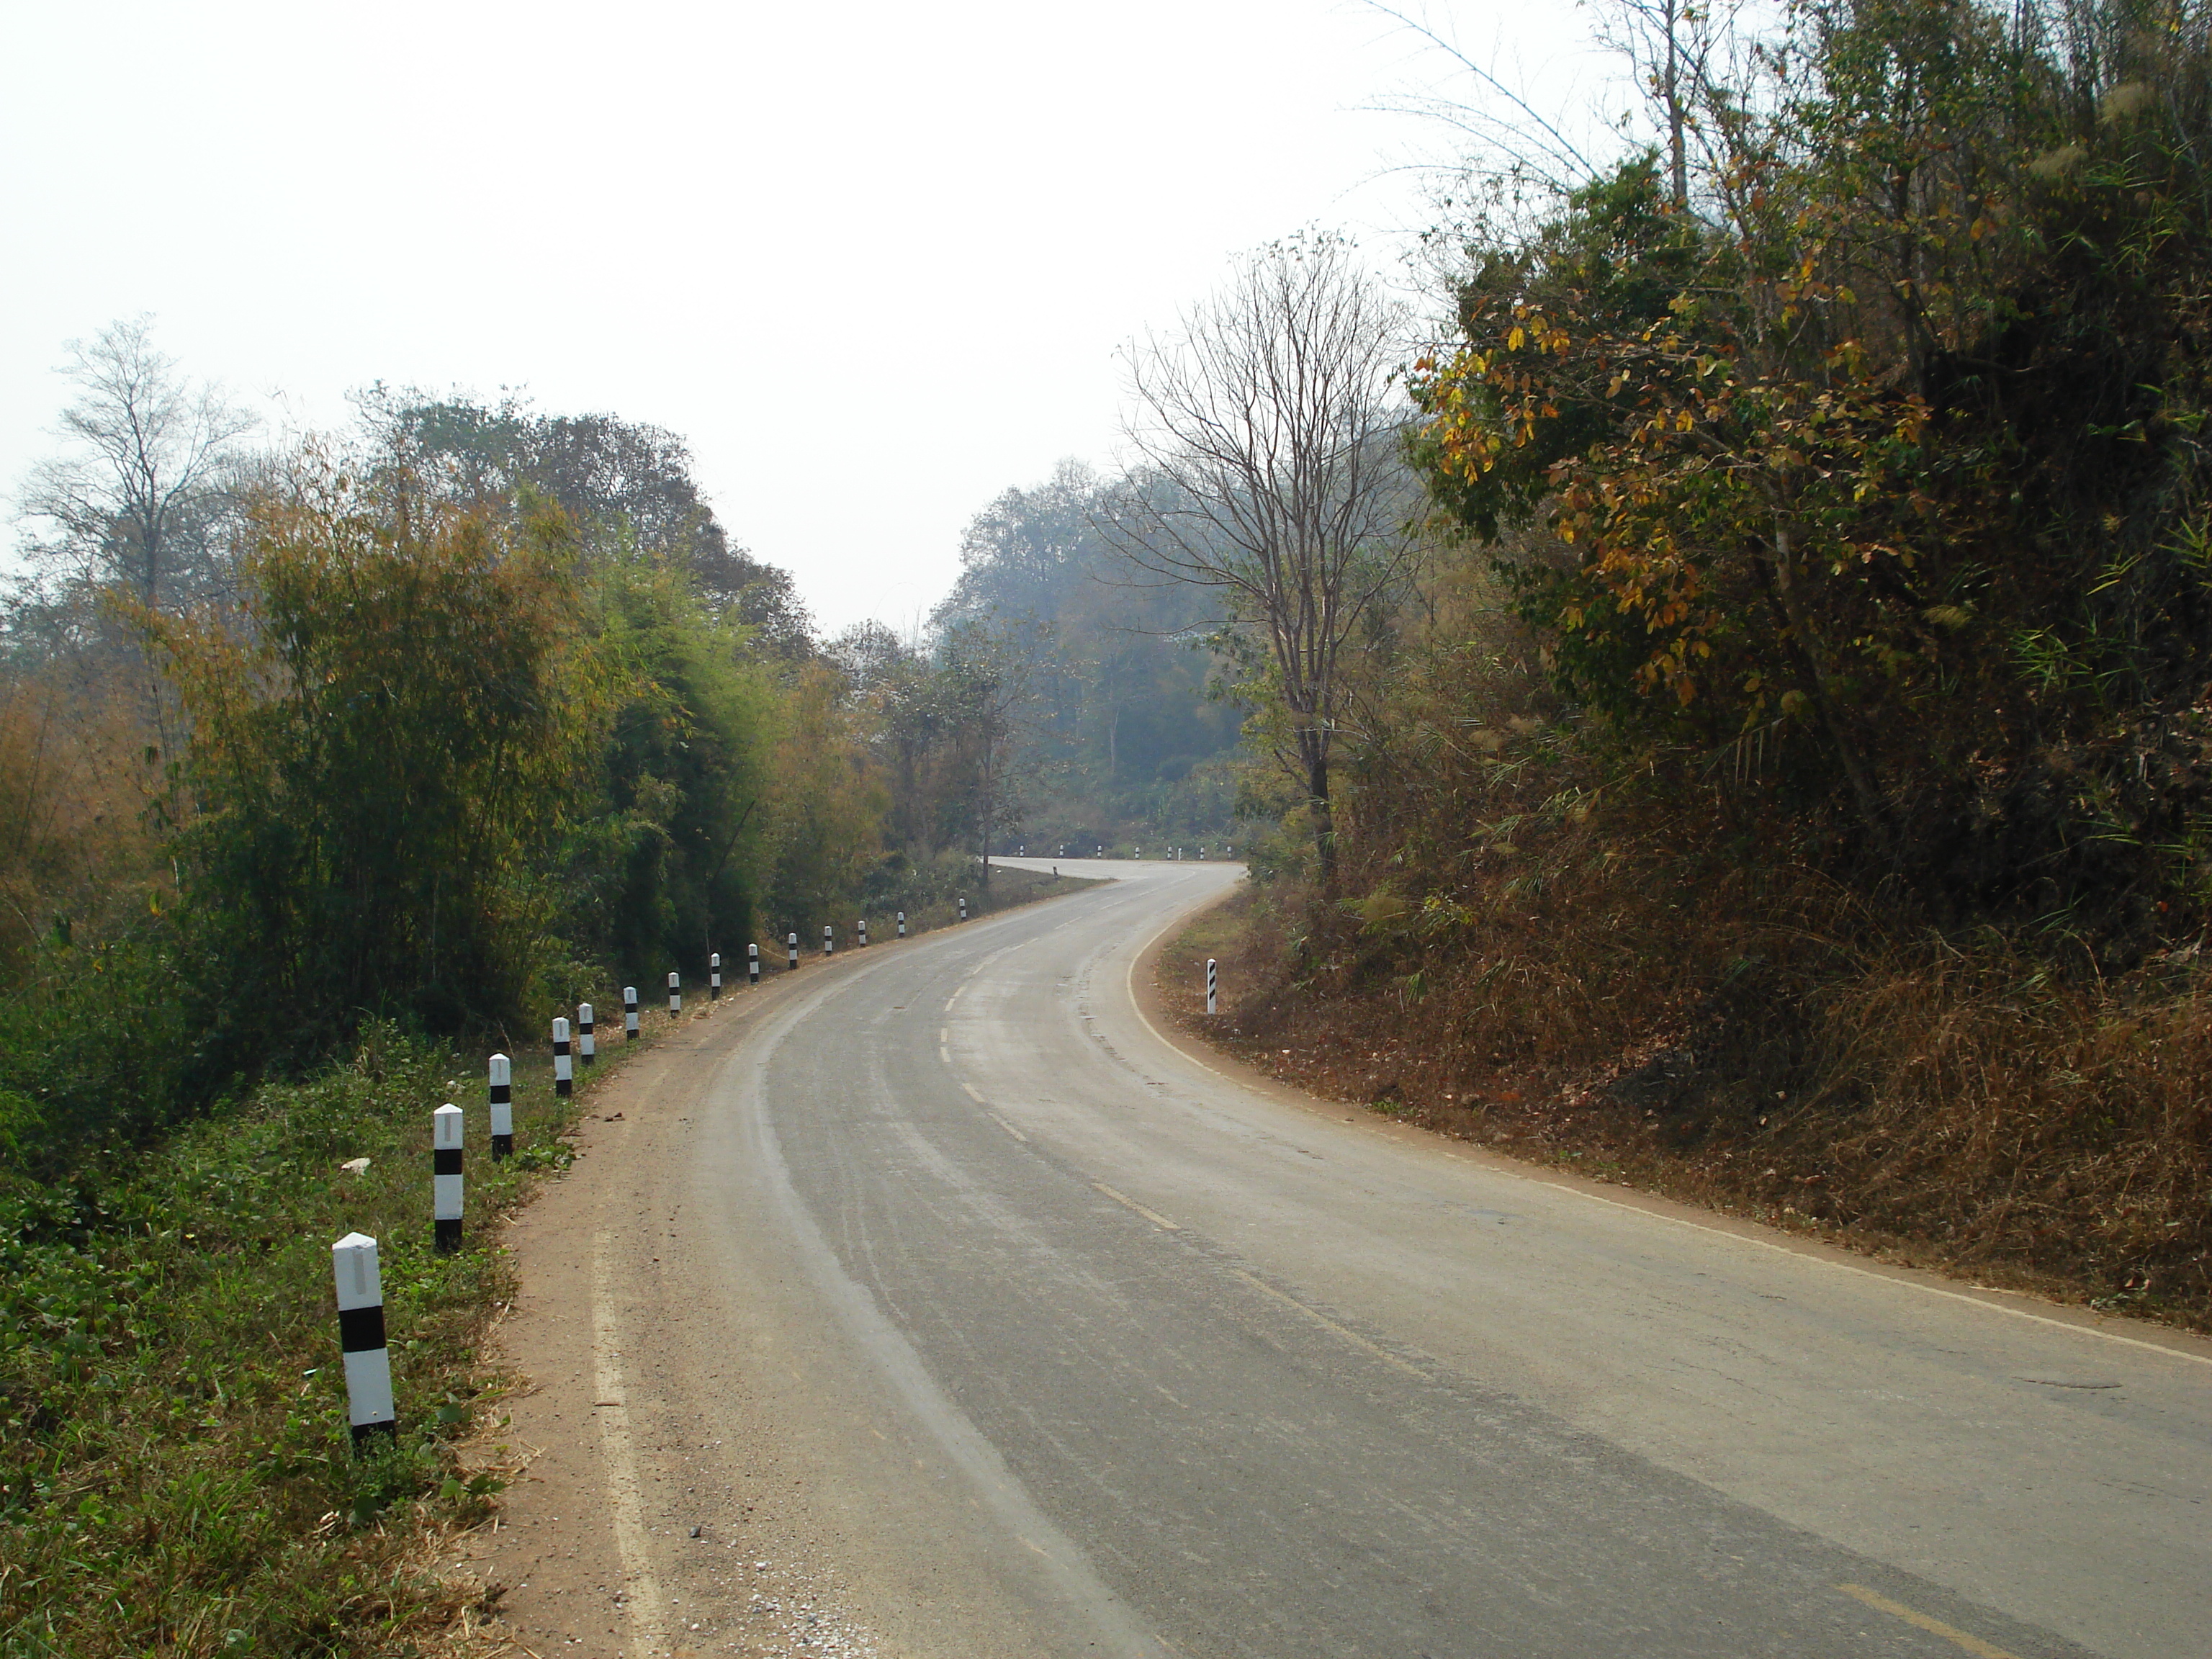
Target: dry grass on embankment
(1765, 1048)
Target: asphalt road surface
(1087, 1347)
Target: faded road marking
(643, 1603)
(1007, 1126)
(1319, 1318)
(1973, 1645)
(1152, 1216)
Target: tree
(138, 499)
(615, 478)
(382, 759)
(1271, 436)
(982, 687)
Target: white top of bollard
(715, 960)
(352, 1264)
(446, 1128)
(500, 1071)
(671, 982)
(585, 1015)
(560, 1028)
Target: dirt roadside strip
(593, 1553)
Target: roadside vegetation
(1783, 776)
(320, 770)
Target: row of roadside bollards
(360, 1283)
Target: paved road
(1090, 1348)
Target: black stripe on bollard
(587, 1042)
(629, 1014)
(502, 1108)
(752, 965)
(564, 1069)
(360, 1338)
(361, 1329)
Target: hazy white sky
(874, 261)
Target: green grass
(176, 1474)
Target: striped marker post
(828, 940)
(1212, 985)
(675, 996)
(963, 907)
(587, 1040)
(864, 932)
(793, 944)
(714, 977)
(902, 924)
(502, 1108)
(629, 1014)
(360, 1338)
(564, 1070)
(752, 966)
(446, 1178)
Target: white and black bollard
(714, 977)
(445, 1177)
(963, 907)
(902, 924)
(564, 1069)
(864, 932)
(629, 1014)
(675, 996)
(752, 966)
(828, 940)
(587, 1039)
(502, 1108)
(791, 944)
(360, 1338)
(1212, 985)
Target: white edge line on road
(611, 1409)
(1795, 1254)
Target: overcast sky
(873, 262)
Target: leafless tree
(1269, 429)
(137, 497)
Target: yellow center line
(1352, 1337)
(1973, 1645)
(1007, 1126)
(1152, 1216)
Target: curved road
(1076, 1345)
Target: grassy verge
(1762, 1047)
(179, 1478)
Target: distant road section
(1071, 1344)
